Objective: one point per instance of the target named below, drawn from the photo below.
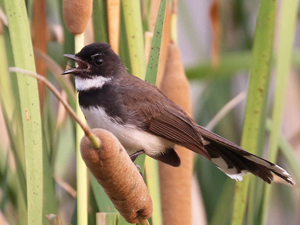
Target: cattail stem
(81, 170)
(94, 140)
(176, 182)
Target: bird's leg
(136, 154)
(133, 158)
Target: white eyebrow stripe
(93, 56)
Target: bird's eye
(98, 61)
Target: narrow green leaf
(123, 48)
(286, 36)
(151, 73)
(100, 20)
(16, 96)
(152, 176)
(19, 169)
(259, 81)
(155, 45)
(49, 201)
(17, 150)
(30, 109)
(135, 36)
(5, 81)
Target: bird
(146, 121)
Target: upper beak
(78, 69)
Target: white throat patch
(83, 84)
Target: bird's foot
(136, 154)
(133, 158)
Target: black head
(97, 59)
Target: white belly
(132, 138)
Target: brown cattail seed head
(77, 14)
(118, 176)
(175, 183)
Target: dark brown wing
(152, 111)
(170, 122)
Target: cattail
(113, 15)
(216, 33)
(39, 38)
(175, 182)
(77, 14)
(119, 177)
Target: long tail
(235, 161)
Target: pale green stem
(151, 166)
(286, 36)
(135, 36)
(30, 108)
(258, 84)
(81, 170)
(152, 175)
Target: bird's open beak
(77, 70)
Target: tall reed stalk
(30, 108)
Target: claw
(140, 169)
(133, 158)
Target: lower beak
(78, 69)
